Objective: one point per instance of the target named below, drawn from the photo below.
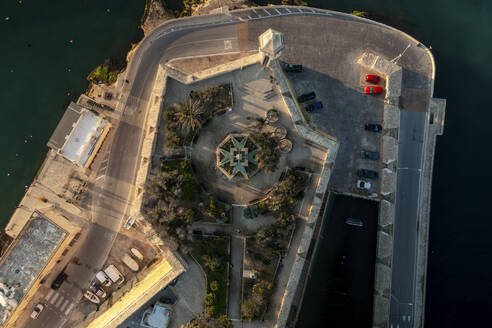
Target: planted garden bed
(212, 253)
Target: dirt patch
(193, 65)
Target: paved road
(114, 189)
(410, 164)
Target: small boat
(129, 262)
(136, 253)
(354, 222)
(91, 297)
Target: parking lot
(346, 109)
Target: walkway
(237, 249)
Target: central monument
(236, 154)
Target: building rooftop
(65, 126)
(271, 42)
(25, 260)
(77, 134)
(157, 317)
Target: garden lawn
(215, 251)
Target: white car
(37, 310)
(363, 185)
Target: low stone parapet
(186, 78)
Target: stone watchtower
(271, 45)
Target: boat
(136, 253)
(354, 222)
(129, 262)
(91, 297)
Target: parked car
(363, 185)
(37, 310)
(59, 280)
(129, 223)
(114, 274)
(293, 68)
(373, 127)
(372, 78)
(373, 90)
(369, 174)
(92, 297)
(369, 154)
(103, 278)
(313, 106)
(306, 97)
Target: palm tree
(189, 115)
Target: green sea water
(41, 70)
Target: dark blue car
(313, 106)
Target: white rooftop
(83, 138)
(271, 42)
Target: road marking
(267, 12)
(99, 177)
(255, 12)
(103, 168)
(64, 305)
(288, 10)
(60, 300)
(54, 298)
(48, 296)
(240, 18)
(277, 11)
(249, 17)
(314, 11)
(67, 311)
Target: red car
(373, 78)
(372, 90)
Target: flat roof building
(79, 135)
(157, 317)
(26, 259)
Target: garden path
(237, 251)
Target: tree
(214, 286)
(189, 115)
(173, 140)
(250, 310)
(251, 212)
(202, 321)
(269, 155)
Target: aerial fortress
(194, 187)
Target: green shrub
(209, 299)
(214, 286)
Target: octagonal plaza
(254, 94)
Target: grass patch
(211, 253)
